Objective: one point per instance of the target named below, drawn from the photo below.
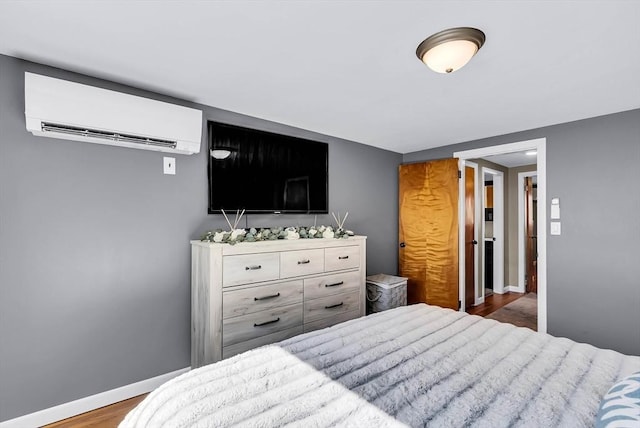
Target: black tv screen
(266, 172)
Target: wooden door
(531, 242)
(428, 231)
(488, 196)
(470, 242)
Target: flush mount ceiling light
(220, 153)
(449, 50)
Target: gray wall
(94, 248)
(593, 273)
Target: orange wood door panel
(428, 231)
(488, 196)
(469, 236)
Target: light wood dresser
(254, 293)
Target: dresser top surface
(279, 245)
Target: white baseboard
(514, 288)
(92, 402)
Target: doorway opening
(492, 212)
(539, 234)
(527, 226)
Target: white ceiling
(348, 68)
(512, 160)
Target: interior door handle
(402, 245)
(474, 242)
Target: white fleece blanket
(418, 365)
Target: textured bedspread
(418, 365)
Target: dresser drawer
(261, 298)
(337, 258)
(332, 320)
(330, 306)
(250, 326)
(331, 284)
(302, 262)
(231, 350)
(247, 268)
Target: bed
(418, 365)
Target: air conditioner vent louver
(112, 136)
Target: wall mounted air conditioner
(61, 109)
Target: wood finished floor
(521, 313)
(111, 416)
(493, 303)
(104, 417)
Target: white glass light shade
(220, 153)
(450, 56)
(449, 50)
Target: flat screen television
(266, 172)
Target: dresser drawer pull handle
(256, 267)
(343, 257)
(334, 306)
(335, 284)
(266, 297)
(266, 322)
(304, 262)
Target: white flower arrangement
(328, 233)
(291, 233)
(235, 234)
(273, 234)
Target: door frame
(498, 225)
(522, 269)
(540, 145)
(476, 233)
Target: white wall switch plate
(555, 212)
(170, 165)
(555, 228)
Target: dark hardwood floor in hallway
(519, 309)
(494, 302)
